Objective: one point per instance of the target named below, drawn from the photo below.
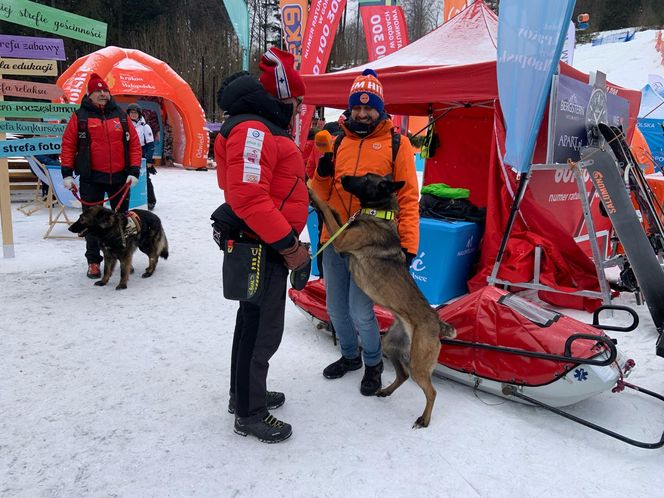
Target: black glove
(409, 257)
(152, 170)
(325, 166)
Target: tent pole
(510, 223)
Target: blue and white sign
(530, 40)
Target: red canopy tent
(452, 71)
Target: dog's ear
(394, 186)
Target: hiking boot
(341, 366)
(273, 399)
(268, 429)
(94, 271)
(371, 381)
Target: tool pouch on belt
(243, 270)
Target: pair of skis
(615, 174)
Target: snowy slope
(626, 64)
(123, 393)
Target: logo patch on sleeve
(253, 147)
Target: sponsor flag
(452, 7)
(530, 40)
(239, 15)
(384, 30)
(324, 17)
(293, 21)
(657, 83)
(567, 54)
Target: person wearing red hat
(261, 171)
(100, 147)
(368, 144)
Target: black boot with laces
(268, 429)
(273, 399)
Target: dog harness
(133, 224)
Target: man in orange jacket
(367, 147)
(99, 145)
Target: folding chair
(59, 199)
(39, 202)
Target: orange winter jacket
(373, 154)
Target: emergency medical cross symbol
(580, 374)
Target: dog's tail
(446, 330)
(164, 249)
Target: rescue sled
(513, 348)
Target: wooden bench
(21, 178)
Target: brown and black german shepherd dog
(120, 235)
(378, 267)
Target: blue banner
(530, 40)
(239, 15)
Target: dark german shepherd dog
(120, 235)
(378, 267)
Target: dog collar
(378, 213)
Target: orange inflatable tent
(132, 72)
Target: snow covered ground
(123, 393)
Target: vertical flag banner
(294, 15)
(239, 15)
(452, 7)
(324, 17)
(530, 40)
(385, 30)
(567, 54)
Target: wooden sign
(28, 67)
(29, 147)
(30, 47)
(31, 128)
(28, 89)
(20, 109)
(38, 16)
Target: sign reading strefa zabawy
(17, 109)
(294, 15)
(30, 47)
(42, 17)
(530, 40)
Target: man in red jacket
(261, 171)
(105, 151)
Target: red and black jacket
(259, 167)
(106, 150)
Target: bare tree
(421, 16)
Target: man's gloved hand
(151, 169)
(409, 257)
(296, 255)
(68, 182)
(325, 165)
(132, 180)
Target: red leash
(124, 190)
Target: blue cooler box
(446, 253)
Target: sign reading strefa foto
(32, 48)
(38, 16)
(28, 67)
(30, 147)
(36, 110)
